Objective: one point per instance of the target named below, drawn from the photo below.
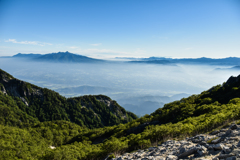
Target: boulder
(171, 157)
(228, 132)
(233, 126)
(215, 132)
(188, 152)
(226, 149)
(218, 146)
(224, 156)
(215, 141)
(231, 158)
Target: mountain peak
(4, 76)
(63, 57)
(232, 80)
(66, 57)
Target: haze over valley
(120, 79)
(138, 87)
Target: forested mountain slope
(189, 116)
(46, 105)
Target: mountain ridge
(45, 104)
(202, 60)
(67, 57)
(62, 139)
(60, 57)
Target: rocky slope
(219, 144)
(47, 105)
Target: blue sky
(121, 28)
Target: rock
(226, 149)
(215, 141)
(151, 149)
(171, 157)
(188, 152)
(218, 146)
(52, 147)
(221, 134)
(233, 126)
(236, 151)
(210, 147)
(224, 130)
(224, 156)
(233, 146)
(203, 143)
(215, 132)
(234, 138)
(200, 153)
(183, 149)
(227, 145)
(228, 132)
(231, 158)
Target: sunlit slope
(193, 115)
(189, 116)
(45, 105)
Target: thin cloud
(28, 42)
(105, 51)
(96, 44)
(108, 53)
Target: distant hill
(236, 67)
(41, 104)
(63, 57)
(202, 60)
(84, 90)
(30, 55)
(231, 68)
(154, 62)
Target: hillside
(179, 119)
(46, 105)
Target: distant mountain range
(67, 57)
(31, 55)
(202, 60)
(63, 57)
(231, 68)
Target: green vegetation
(210, 141)
(46, 105)
(27, 134)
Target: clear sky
(121, 28)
